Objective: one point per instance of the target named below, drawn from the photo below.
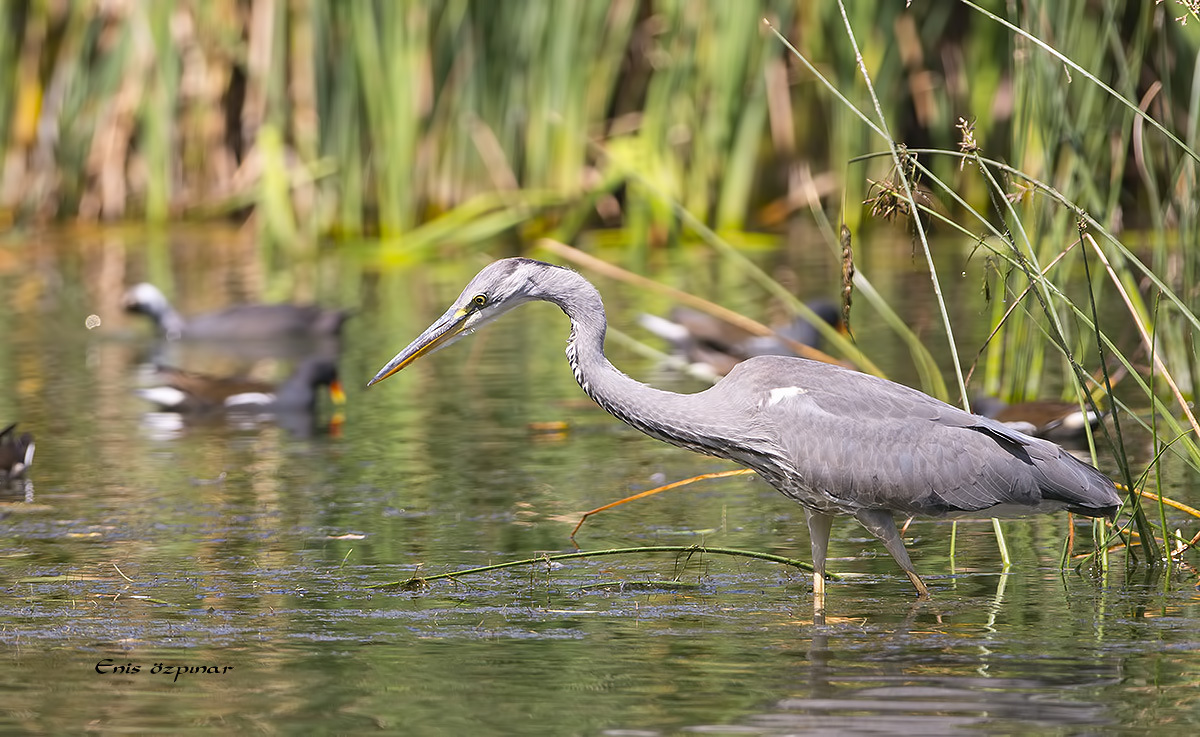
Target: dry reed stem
(658, 489)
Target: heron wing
(856, 441)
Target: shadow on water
(247, 554)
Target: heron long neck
(661, 414)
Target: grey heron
(837, 441)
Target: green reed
(373, 116)
(1070, 283)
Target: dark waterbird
(248, 322)
(193, 393)
(837, 441)
(16, 453)
(719, 345)
(1062, 422)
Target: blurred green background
(318, 117)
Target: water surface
(247, 554)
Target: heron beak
(449, 328)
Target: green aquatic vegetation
(1049, 291)
(418, 582)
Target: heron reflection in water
(837, 441)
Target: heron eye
(479, 300)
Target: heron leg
(818, 535)
(879, 523)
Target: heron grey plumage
(837, 441)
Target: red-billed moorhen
(1062, 422)
(710, 341)
(193, 393)
(16, 453)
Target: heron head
(499, 287)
